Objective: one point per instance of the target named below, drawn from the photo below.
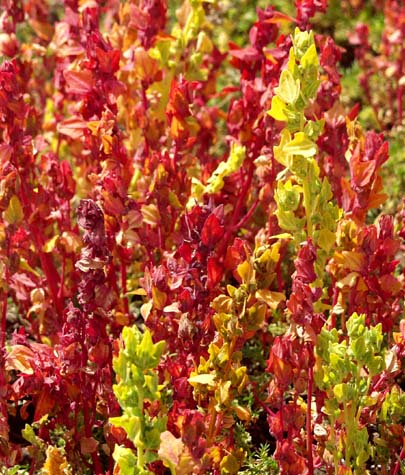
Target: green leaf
(288, 196)
(288, 221)
(148, 354)
(126, 460)
(302, 41)
(289, 88)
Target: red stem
(62, 278)
(247, 216)
(123, 269)
(4, 317)
(398, 464)
(309, 424)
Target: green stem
(334, 444)
(307, 199)
(140, 444)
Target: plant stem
(307, 200)
(398, 464)
(309, 425)
(123, 269)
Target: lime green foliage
(296, 151)
(188, 34)
(393, 407)
(215, 182)
(345, 368)
(138, 383)
(236, 157)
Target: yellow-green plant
(137, 384)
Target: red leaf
(215, 272)
(44, 405)
(212, 231)
(78, 82)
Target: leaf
(271, 298)
(289, 88)
(288, 195)
(159, 298)
(88, 445)
(340, 392)
(147, 353)
(19, 359)
(310, 58)
(301, 145)
(73, 127)
(14, 212)
(171, 449)
(50, 245)
(229, 465)
(150, 214)
(214, 271)
(146, 308)
(204, 379)
(56, 463)
(277, 110)
(79, 82)
(326, 239)
(245, 271)
(212, 231)
(126, 460)
(29, 434)
(236, 157)
(44, 405)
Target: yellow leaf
(271, 298)
(277, 109)
(56, 463)
(243, 413)
(205, 379)
(14, 213)
(139, 291)
(326, 239)
(49, 246)
(107, 141)
(289, 88)
(245, 271)
(19, 359)
(159, 298)
(300, 145)
(351, 260)
(150, 214)
(310, 57)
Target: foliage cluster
(199, 273)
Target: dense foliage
(201, 272)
